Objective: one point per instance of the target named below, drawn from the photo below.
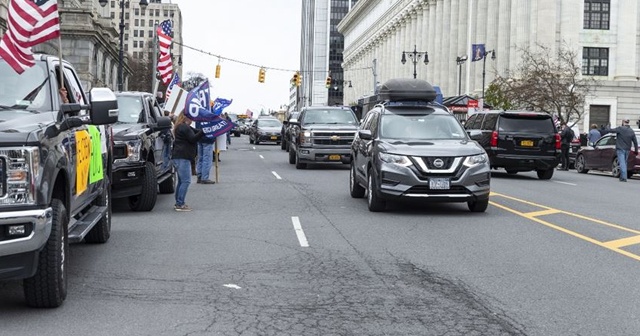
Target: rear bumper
(524, 162)
(18, 257)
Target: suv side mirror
(104, 106)
(365, 134)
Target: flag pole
(60, 66)
(215, 150)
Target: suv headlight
(400, 160)
(472, 161)
(134, 147)
(21, 167)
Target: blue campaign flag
(216, 127)
(220, 104)
(197, 103)
(477, 52)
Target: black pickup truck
(141, 152)
(55, 171)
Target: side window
(477, 121)
(490, 122)
(603, 141)
(366, 123)
(74, 89)
(469, 123)
(374, 124)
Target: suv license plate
(439, 183)
(526, 143)
(334, 157)
(273, 137)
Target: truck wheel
(101, 232)
(292, 156)
(48, 287)
(478, 205)
(374, 202)
(299, 165)
(147, 199)
(355, 189)
(545, 174)
(168, 186)
(283, 144)
(250, 140)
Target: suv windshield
(131, 110)
(421, 127)
(27, 91)
(329, 116)
(269, 123)
(523, 123)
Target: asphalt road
(271, 250)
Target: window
(151, 33)
(113, 15)
(113, 4)
(141, 33)
(157, 12)
(150, 23)
(135, 33)
(141, 44)
(135, 22)
(596, 14)
(490, 121)
(477, 121)
(136, 11)
(135, 44)
(595, 61)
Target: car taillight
(558, 143)
(494, 139)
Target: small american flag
(175, 81)
(165, 37)
(30, 22)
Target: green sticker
(95, 167)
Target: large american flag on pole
(29, 22)
(165, 36)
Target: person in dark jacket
(566, 136)
(625, 136)
(184, 150)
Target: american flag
(30, 22)
(165, 36)
(174, 81)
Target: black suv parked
(141, 152)
(410, 148)
(518, 141)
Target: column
(492, 37)
(436, 70)
(625, 54)
(463, 47)
(503, 45)
(432, 40)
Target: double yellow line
(613, 245)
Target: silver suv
(409, 147)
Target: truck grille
(333, 138)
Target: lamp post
(460, 61)
(415, 56)
(123, 4)
(484, 63)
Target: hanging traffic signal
(328, 83)
(297, 78)
(218, 71)
(261, 74)
(294, 81)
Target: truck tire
(168, 186)
(292, 156)
(101, 232)
(299, 165)
(147, 199)
(48, 287)
(283, 144)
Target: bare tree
(141, 72)
(193, 79)
(547, 81)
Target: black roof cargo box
(403, 89)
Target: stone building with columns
(89, 42)
(604, 33)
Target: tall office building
(139, 28)
(321, 53)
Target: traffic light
(218, 71)
(261, 74)
(297, 78)
(328, 83)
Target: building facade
(604, 33)
(321, 51)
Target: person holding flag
(184, 151)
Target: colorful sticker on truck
(88, 158)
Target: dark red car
(602, 156)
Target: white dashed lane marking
(301, 237)
(276, 175)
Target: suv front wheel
(355, 189)
(374, 202)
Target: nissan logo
(438, 163)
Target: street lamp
(460, 61)
(484, 62)
(415, 56)
(143, 5)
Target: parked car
(322, 134)
(265, 129)
(602, 157)
(286, 130)
(416, 151)
(141, 151)
(518, 141)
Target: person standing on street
(184, 150)
(205, 158)
(594, 135)
(228, 118)
(566, 136)
(625, 136)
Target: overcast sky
(261, 32)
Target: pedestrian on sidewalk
(625, 136)
(205, 158)
(184, 150)
(566, 136)
(594, 135)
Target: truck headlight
(400, 160)
(305, 138)
(472, 161)
(21, 167)
(134, 147)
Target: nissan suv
(321, 134)
(518, 141)
(411, 148)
